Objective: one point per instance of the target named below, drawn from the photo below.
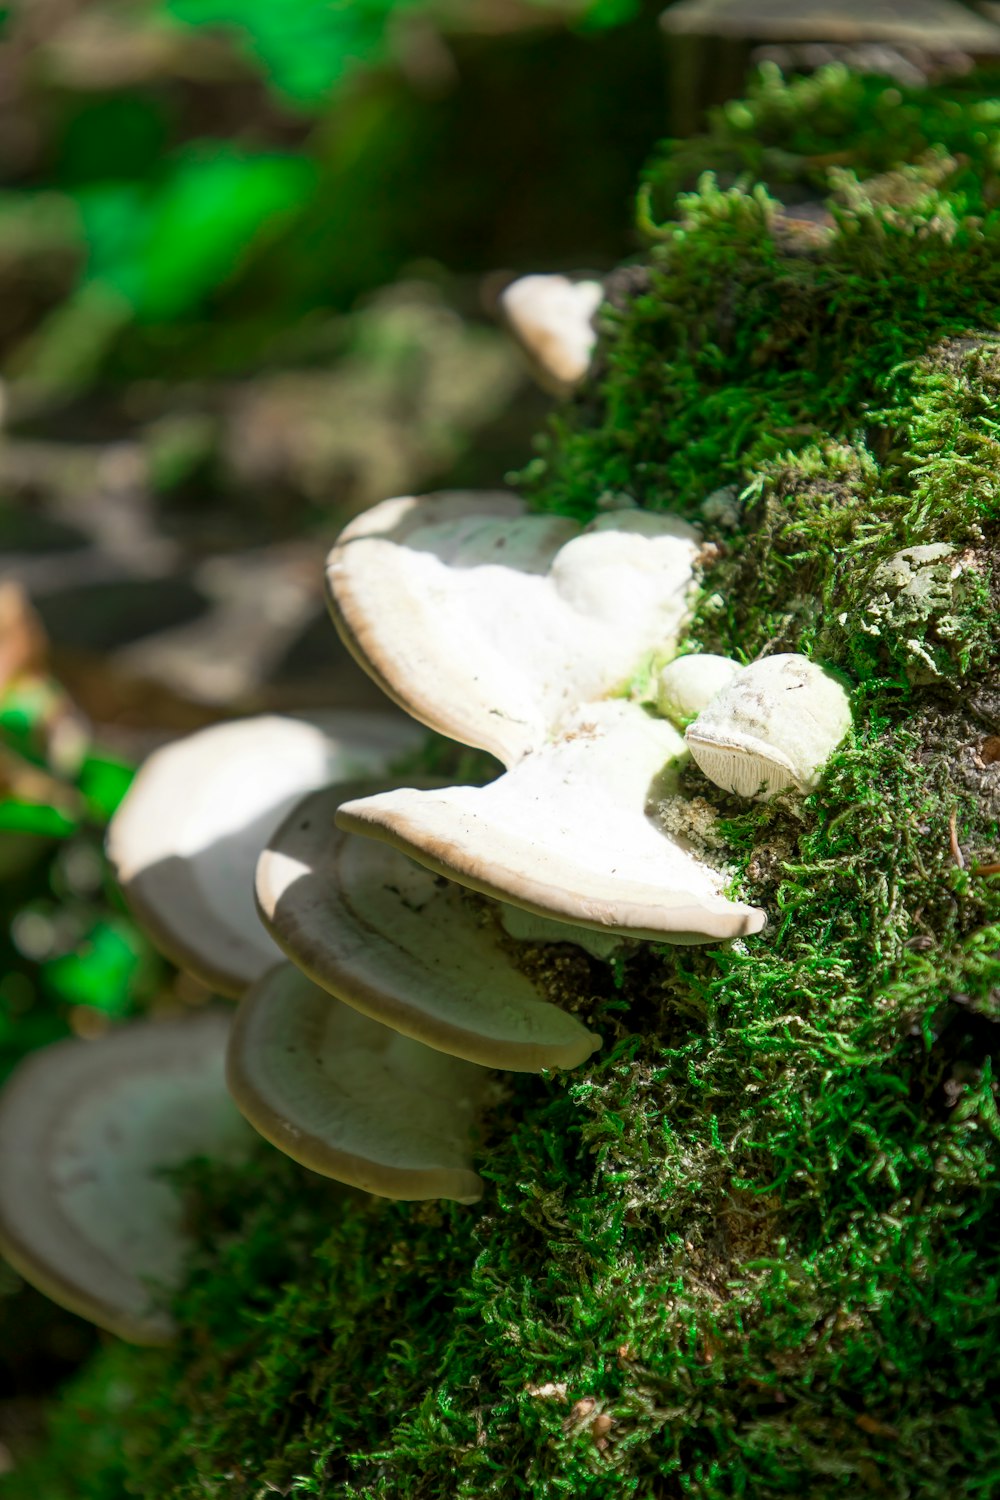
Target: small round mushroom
(490, 625)
(566, 833)
(86, 1130)
(774, 727)
(687, 685)
(404, 946)
(352, 1099)
(552, 319)
(185, 841)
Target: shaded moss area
(750, 1249)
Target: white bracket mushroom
(773, 727)
(185, 841)
(350, 1098)
(512, 632)
(86, 1130)
(552, 318)
(403, 946)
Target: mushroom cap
(185, 841)
(491, 625)
(772, 728)
(921, 23)
(687, 685)
(566, 833)
(552, 319)
(404, 946)
(350, 1098)
(86, 1129)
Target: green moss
(750, 1249)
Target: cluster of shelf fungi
(280, 862)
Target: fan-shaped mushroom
(86, 1129)
(565, 833)
(350, 1098)
(491, 625)
(185, 841)
(404, 946)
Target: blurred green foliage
(66, 941)
(188, 179)
(306, 49)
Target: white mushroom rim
(350, 1098)
(491, 625)
(185, 841)
(86, 1130)
(568, 833)
(404, 946)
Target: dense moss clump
(750, 1249)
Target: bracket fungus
(185, 840)
(773, 728)
(403, 946)
(566, 833)
(552, 318)
(366, 1058)
(350, 1098)
(512, 632)
(86, 1130)
(490, 625)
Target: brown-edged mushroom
(569, 833)
(491, 625)
(185, 841)
(552, 319)
(402, 945)
(86, 1131)
(944, 25)
(350, 1098)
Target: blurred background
(250, 255)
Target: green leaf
(305, 47)
(101, 971)
(104, 782)
(166, 247)
(34, 818)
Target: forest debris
(23, 645)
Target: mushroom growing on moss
(687, 685)
(86, 1132)
(514, 633)
(350, 1098)
(490, 625)
(185, 840)
(552, 319)
(773, 727)
(567, 834)
(406, 948)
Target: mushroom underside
(86, 1131)
(405, 946)
(350, 1098)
